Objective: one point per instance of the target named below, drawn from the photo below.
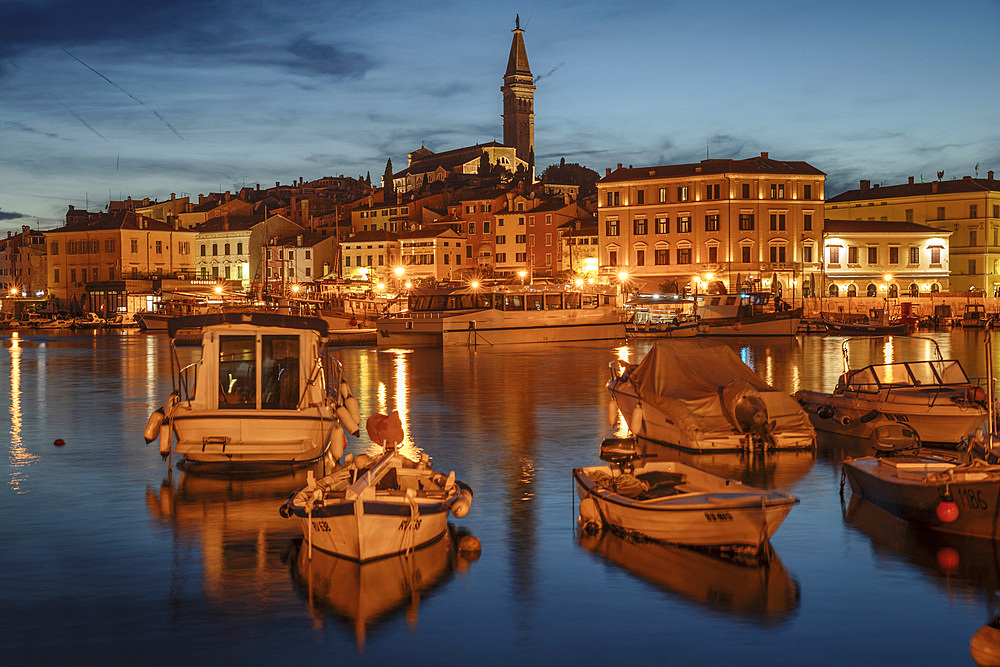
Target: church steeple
(519, 100)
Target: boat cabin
(744, 304)
(467, 299)
(918, 374)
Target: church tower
(519, 100)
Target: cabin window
(237, 372)
(513, 302)
(535, 302)
(572, 299)
(279, 372)
(553, 301)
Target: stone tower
(519, 100)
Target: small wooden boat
(678, 504)
(876, 323)
(373, 509)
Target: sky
(109, 99)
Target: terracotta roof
(114, 220)
(377, 235)
(959, 185)
(232, 223)
(447, 160)
(428, 232)
(754, 165)
(873, 226)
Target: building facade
(968, 209)
(743, 222)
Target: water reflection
(776, 469)
(985, 644)
(19, 457)
(363, 595)
(763, 592)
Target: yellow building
(112, 247)
(732, 221)
(967, 208)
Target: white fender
(590, 515)
(462, 505)
(337, 442)
(351, 404)
(612, 412)
(165, 438)
(344, 415)
(635, 423)
(152, 430)
(345, 390)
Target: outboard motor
(893, 438)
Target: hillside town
(760, 223)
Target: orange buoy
(947, 511)
(59, 442)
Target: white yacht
(263, 394)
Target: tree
(388, 187)
(571, 173)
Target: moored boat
(877, 322)
(371, 509)
(747, 314)
(263, 394)
(678, 504)
(933, 396)
(480, 316)
(700, 396)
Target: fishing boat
(263, 394)
(933, 396)
(747, 314)
(481, 316)
(700, 396)
(877, 322)
(974, 316)
(371, 509)
(678, 504)
(660, 316)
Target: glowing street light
(474, 284)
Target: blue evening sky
(116, 98)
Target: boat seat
(660, 484)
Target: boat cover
(698, 385)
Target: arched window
(894, 291)
(935, 287)
(852, 290)
(834, 290)
(871, 290)
(914, 290)
(806, 288)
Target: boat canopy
(699, 384)
(933, 373)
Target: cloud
(11, 216)
(326, 59)
(25, 128)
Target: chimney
(173, 196)
(865, 185)
(763, 154)
(258, 187)
(910, 180)
(300, 181)
(227, 195)
(934, 187)
(607, 172)
(619, 165)
(298, 240)
(989, 175)
(566, 199)
(277, 184)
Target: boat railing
(333, 372)
(845, 346)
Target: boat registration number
(715, 517)
(409, 524)
(321, 526)
(972, 499)
(902, 419)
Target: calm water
(108, 556)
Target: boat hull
(721, 513)
(914, 494)
(468, 331)
(686, 330)
(774, 324)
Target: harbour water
(110, 557)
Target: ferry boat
(264, 394)
(473, 316)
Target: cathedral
(518, 147)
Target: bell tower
(519, 100)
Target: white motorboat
(479, 316)
(700, 396)
(263, 394)
(373, 509)
(747, 314)
(679, 504)
(932, 396)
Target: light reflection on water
(183, 567)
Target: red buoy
(947, 511)
(59, 442)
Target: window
(639, 226)
(893, 254)
(712, 191)
(777, 222)
(973, 237)
(54, 248)
(501, 239)
(909, 214)
(807, 254)
(521, 238)
(663, 225)
(72, 275)
(447, 257)
(159, 247)
(215, 249)
(133, 245)
(202, 249)
(640, 258)
(807, 191)
(611, 228)
(682, 193)
(548, 239)
(238, 372)
(834, 255)
(972, 266)
(613, 199)
(684, 255)
(663, 199)
(777, 253)
(520, 221)
(871, 290)
(712, 222)
(662, 256)
(613, 257)
(55, 276)
(940, 212)
(872, 254)
(226, 249)
(746, 222)
(973, 210)
(713, 254)
(807, 222)
(914, 255)
(834, 290)
(852, 254)
(499, 222)
(745, 254)
(746, 191)
(472, 228)
(684, 225)
(486, 227)
(640, 197)
(109, 245)
(777, 190)
(501, 257)
(308, 254)
(531, 221)
(225, 272)
(996, 210)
